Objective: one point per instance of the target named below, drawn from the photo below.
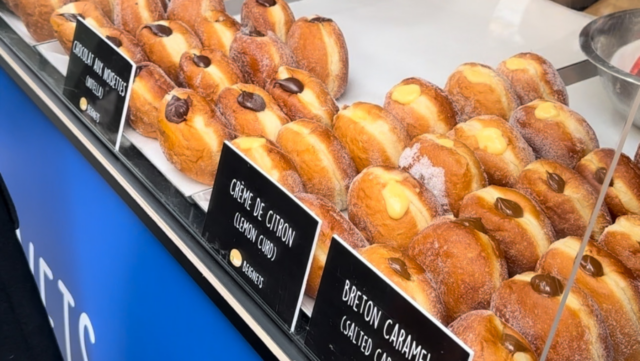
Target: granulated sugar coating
(421, 168)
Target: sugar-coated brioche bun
(130, 15)
(150, 86)
(216, 30)
(622, 239)
(190, 12)
(268, 15)
(389, 206)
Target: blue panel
(140, 303)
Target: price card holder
(263, 233)
(99, 80)
(360, 315)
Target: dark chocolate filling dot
(601, 174)
(160, 30)
(71, 17)
(251, 101)
(320, 19)
(115, 41)
(591, 266)
(141, 67)
(547, 285)
(291, 85)
(556, 182)
(400, 267)
(266, 3)
(177, 109)
(249, 31)
(508, 207)
(473, 222)
(202, 61)
(513, 344)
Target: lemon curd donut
(422, 107)
(446, 167)
(477, 89)
(533, 77)
(517, 224)
(389, 206)
(500, 149)
(371, 135)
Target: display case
(443, 216)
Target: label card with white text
(360, 315)
(99, 81)
(263, 232)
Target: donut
(422, 107)
(389, 206)
(529, 303)
(126, 43)
(63, 21)
(268, 15)
(533, 77)
(216, 30)
(106, 6)
(467, 271)
(322, 162)
(164, 42)
(371, 134)
(407, 275)
(269, 158)
(500, 149)
(622, 239)
(446, 167)
(623, 192)
(130, 15)
(190, 135)
(476, 89)
(564, 196)
(554, 131)
(208, 71)
(260, 55)
(490, 338)
(515, 222)
(319, 47)
(609, 283)
(250, 111)
(150, 86)
(302, 96)
(36, 14)
(191, 12)
(333, 223)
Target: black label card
(99, 79)
(263, 232)
(360, 315)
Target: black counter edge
(283, 342)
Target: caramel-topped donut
(164, 42)
(190, 135)
(564, 196)
(446, 167)
(319, 47)
(333, 223)
(65, 18)
(518, 225)
(465, 264)
(533, 77)
(408, 275)
(622, 239)
(422, 107)
(191, 12)
(371, 135)
(150, 86)
(250, 111)
(609, 283)
(268, 15)
(623, 192)
(500, 149)
(130, 15)
(208, 71)
(322, 161)
(529, 303)
(216, 30)
(302, 96)
(266, 155)
(554, 131)
(477, 89)
(389, 206)
(491, 339)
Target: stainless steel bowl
(599, 41)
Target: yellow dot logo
(235, 257)
(83, 104)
